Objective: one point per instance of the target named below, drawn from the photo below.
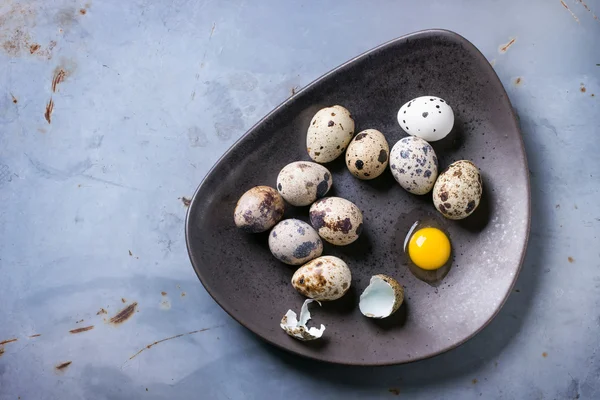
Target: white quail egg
(427, 117)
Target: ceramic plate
(240, 273)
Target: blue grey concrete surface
(112, 112)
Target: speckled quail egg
(337, 220)
(367, 155)
(302, 182)
(414, 164)
(329, 133)
(427, 117)
(324, 278)
(295, 242)
(458, 190)
(259, 209)
(382, 297)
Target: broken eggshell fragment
(297, 328)
(381, 298)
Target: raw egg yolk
(429, 248)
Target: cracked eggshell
(329, 133)
(427, 117)
(302, 182)
(337, 220)
(382, 297)
(297, 328)
(294, 242)
(259, 209)
(367, 155)
(414, 165)
(324, 278)
(458, 190)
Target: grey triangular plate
(239, 272)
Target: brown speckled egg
(259, 209)
(302, 182)
(324, 278)
(329, 133)
(458, 190)
(294, 242)
(414, 165)
(337, 220)
(367, 154)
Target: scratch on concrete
(588, 10)
(49, 109)
(49, 172)
(569, 10)
(170, 338)
(503, 48)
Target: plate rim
(495, 81)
